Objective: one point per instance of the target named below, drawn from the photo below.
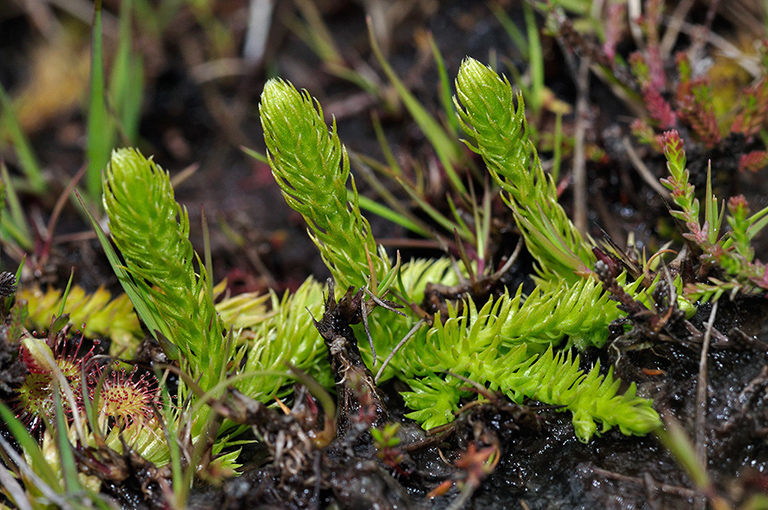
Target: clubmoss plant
(152, 234)
(473, 345)
(312, 168)
(168, 287)
(485, 102)
(287, 336)
(505, 344)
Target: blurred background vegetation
(181, 79)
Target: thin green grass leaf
(535, 58)
(484, 232)
(580, 7)
(315, 33)
(446, 148)
(757, 221)
(389, 156)
(66, 457)
(65, 295)
(100, 128)
(462, 225)
(133, 99)
(712, 214)
(446, 92)
(675, 439)
(385, 212)
(373, 87)
(16, 225)
(174, 451)
(433, 213)
(126, 80)
(368, 168)
(207, 253)
(11, 231)
(31, 448)
(557, 158)
(513, 31)
(91, 404)
(119, 74)
(27, 160)
(258, 156)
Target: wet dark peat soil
(186, 121)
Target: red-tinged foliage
(738, 206)
(695, 108)
(659, 109)
(656, 68)
(754, 109)
(753, 161)
(672, 143)
(477, 464)
(613, 28)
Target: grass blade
(126, 80)
(17, 225)
(446, 92)
(258, 156)
(27, 160)
(433, 213)
(512, 30)
(31, 448)
(535, 59)
(66, 458)
(385, 212)
(389, 156)
(100, 128)
(446, 148)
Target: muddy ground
(187, 121)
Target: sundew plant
(452, 334)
